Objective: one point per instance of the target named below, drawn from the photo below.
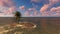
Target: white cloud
(22, 7)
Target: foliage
(17, 16)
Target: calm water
(45, 25)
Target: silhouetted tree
(17, 16)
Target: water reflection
(17, 29)
(44, 26)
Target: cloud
(7, 7)
(48, 10)
(22, 7)
(6, 3)
(26, 13)
(2, 3)
(54, 1)
(56, 10)
(44, 8)
(30, 9)
(11, 10)
(35, 0)
(31, 12)
(7, 10)
(2, 9)
(35, 13)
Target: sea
(45, 25)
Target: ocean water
(45, 25)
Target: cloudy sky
(30, 8)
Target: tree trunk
(17, 20)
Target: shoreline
(26, 25)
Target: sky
(30, 8)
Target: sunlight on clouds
(26, 13)
(6, 3)
(33, 10)
(54, 1)
(22, 7)
(51, 12)
(55, 9)
(8, 7)
(44, 8)
(7, 11)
